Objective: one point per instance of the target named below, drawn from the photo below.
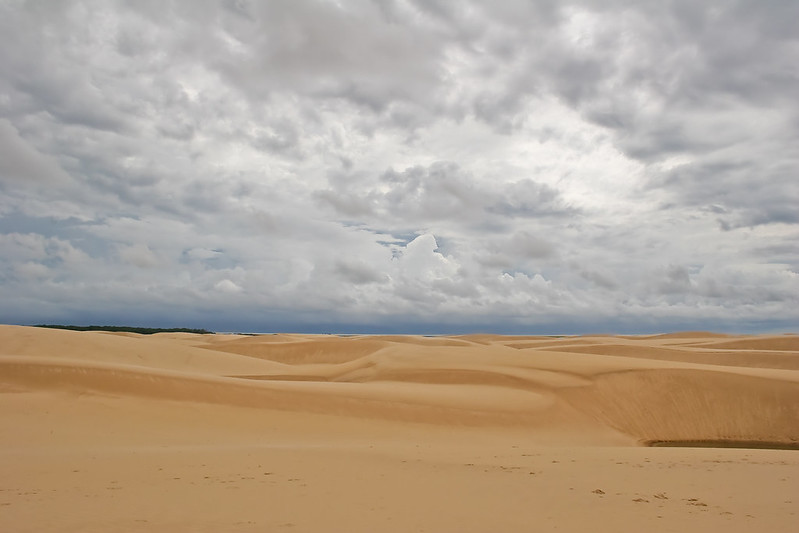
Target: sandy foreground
(179, 432)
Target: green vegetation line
(126, 329)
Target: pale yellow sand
(177, 432)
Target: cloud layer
(398, 165)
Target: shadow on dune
(746, 444)
(689, 405)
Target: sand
(478, 433)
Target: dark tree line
(127, 329)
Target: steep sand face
(394, 433)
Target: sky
(401, 166)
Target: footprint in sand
(696, 502)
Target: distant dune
(178, 431)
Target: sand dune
(789, 343)
(115, 431)
(694, 353)
(683, 335)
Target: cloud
(507, 166)
(202, 254)
(421, 260)
(227, 286)
(31, 271)
(677, 280)
(32, 252)
(20, 163)
(359, 272)
(139, 255)
(442, 191)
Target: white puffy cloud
(228, 286)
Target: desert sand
(480, 433)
